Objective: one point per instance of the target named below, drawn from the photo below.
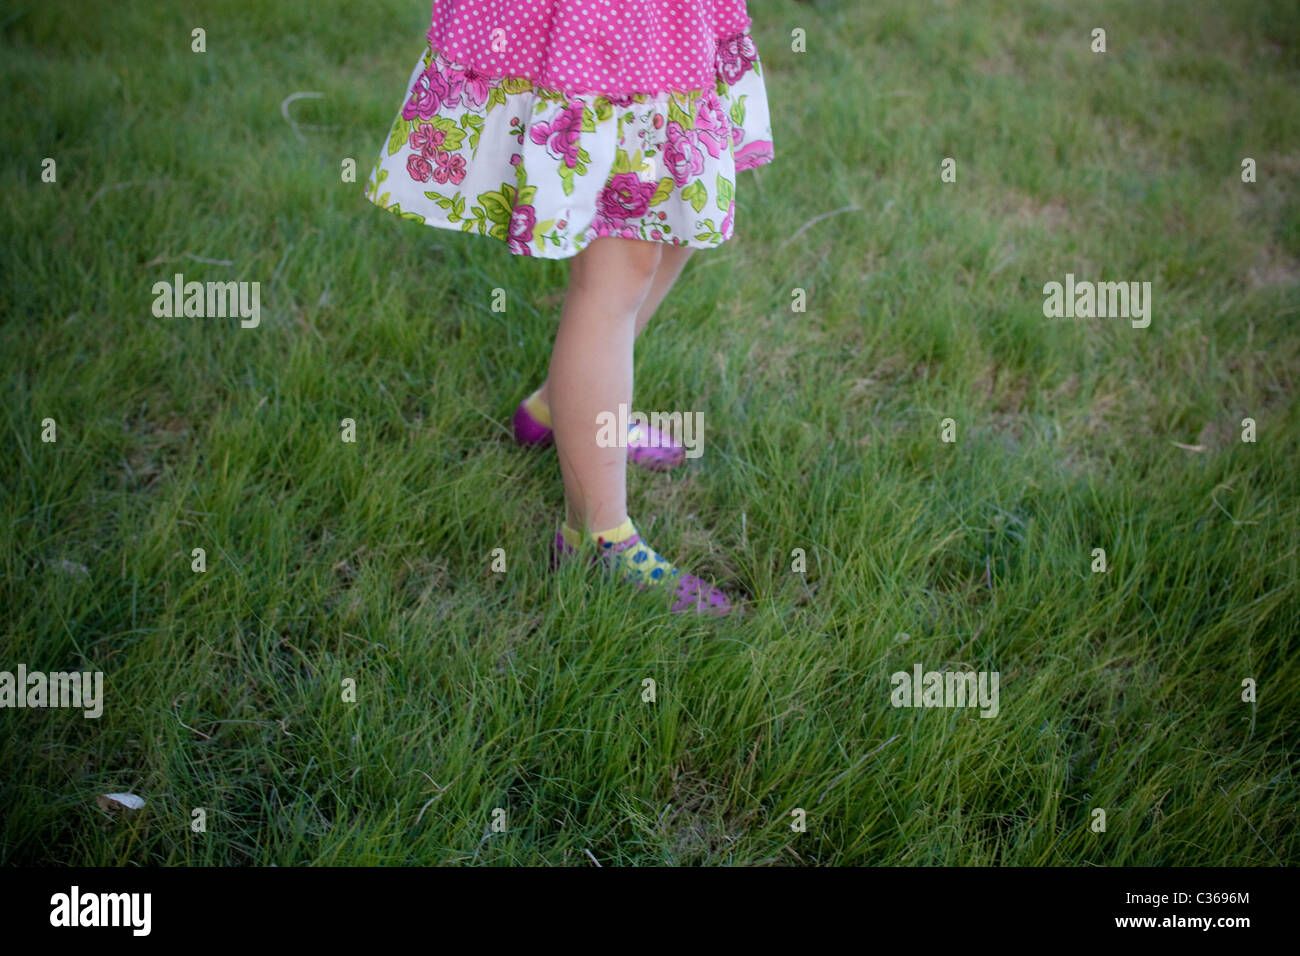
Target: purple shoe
(689, 593)
(529, 431)
(650, 448)
(647, 447)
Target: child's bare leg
(670, 267)
(671, 263)
(591, 373)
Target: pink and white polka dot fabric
(611, 47)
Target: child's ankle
(537, 407)
(575, 538)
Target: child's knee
(623, 268)
(642, 257)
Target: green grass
(522, 691)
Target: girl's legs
(610, 283)
(672, 261)
(591, 372)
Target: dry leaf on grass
(119, 801)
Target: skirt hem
(547, 172)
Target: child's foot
(646, 446)
(631, 559)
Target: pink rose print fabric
(547, 124)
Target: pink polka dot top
(612, 47)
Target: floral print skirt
(546, 171)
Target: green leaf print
(516, 84)
(621, 162)
(677, 115)
(496, 97)
(588, 120)
(711, 234)
(397, 139)
(497, 206)
(696, 195)
(473, 124)
(726, 192)
(663, 192)
(383, 174)
(604, 109)
(738, 110)
(500, 231)
(566, 179)
(455, 205)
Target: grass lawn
(518, 697)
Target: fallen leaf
(119, 801)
